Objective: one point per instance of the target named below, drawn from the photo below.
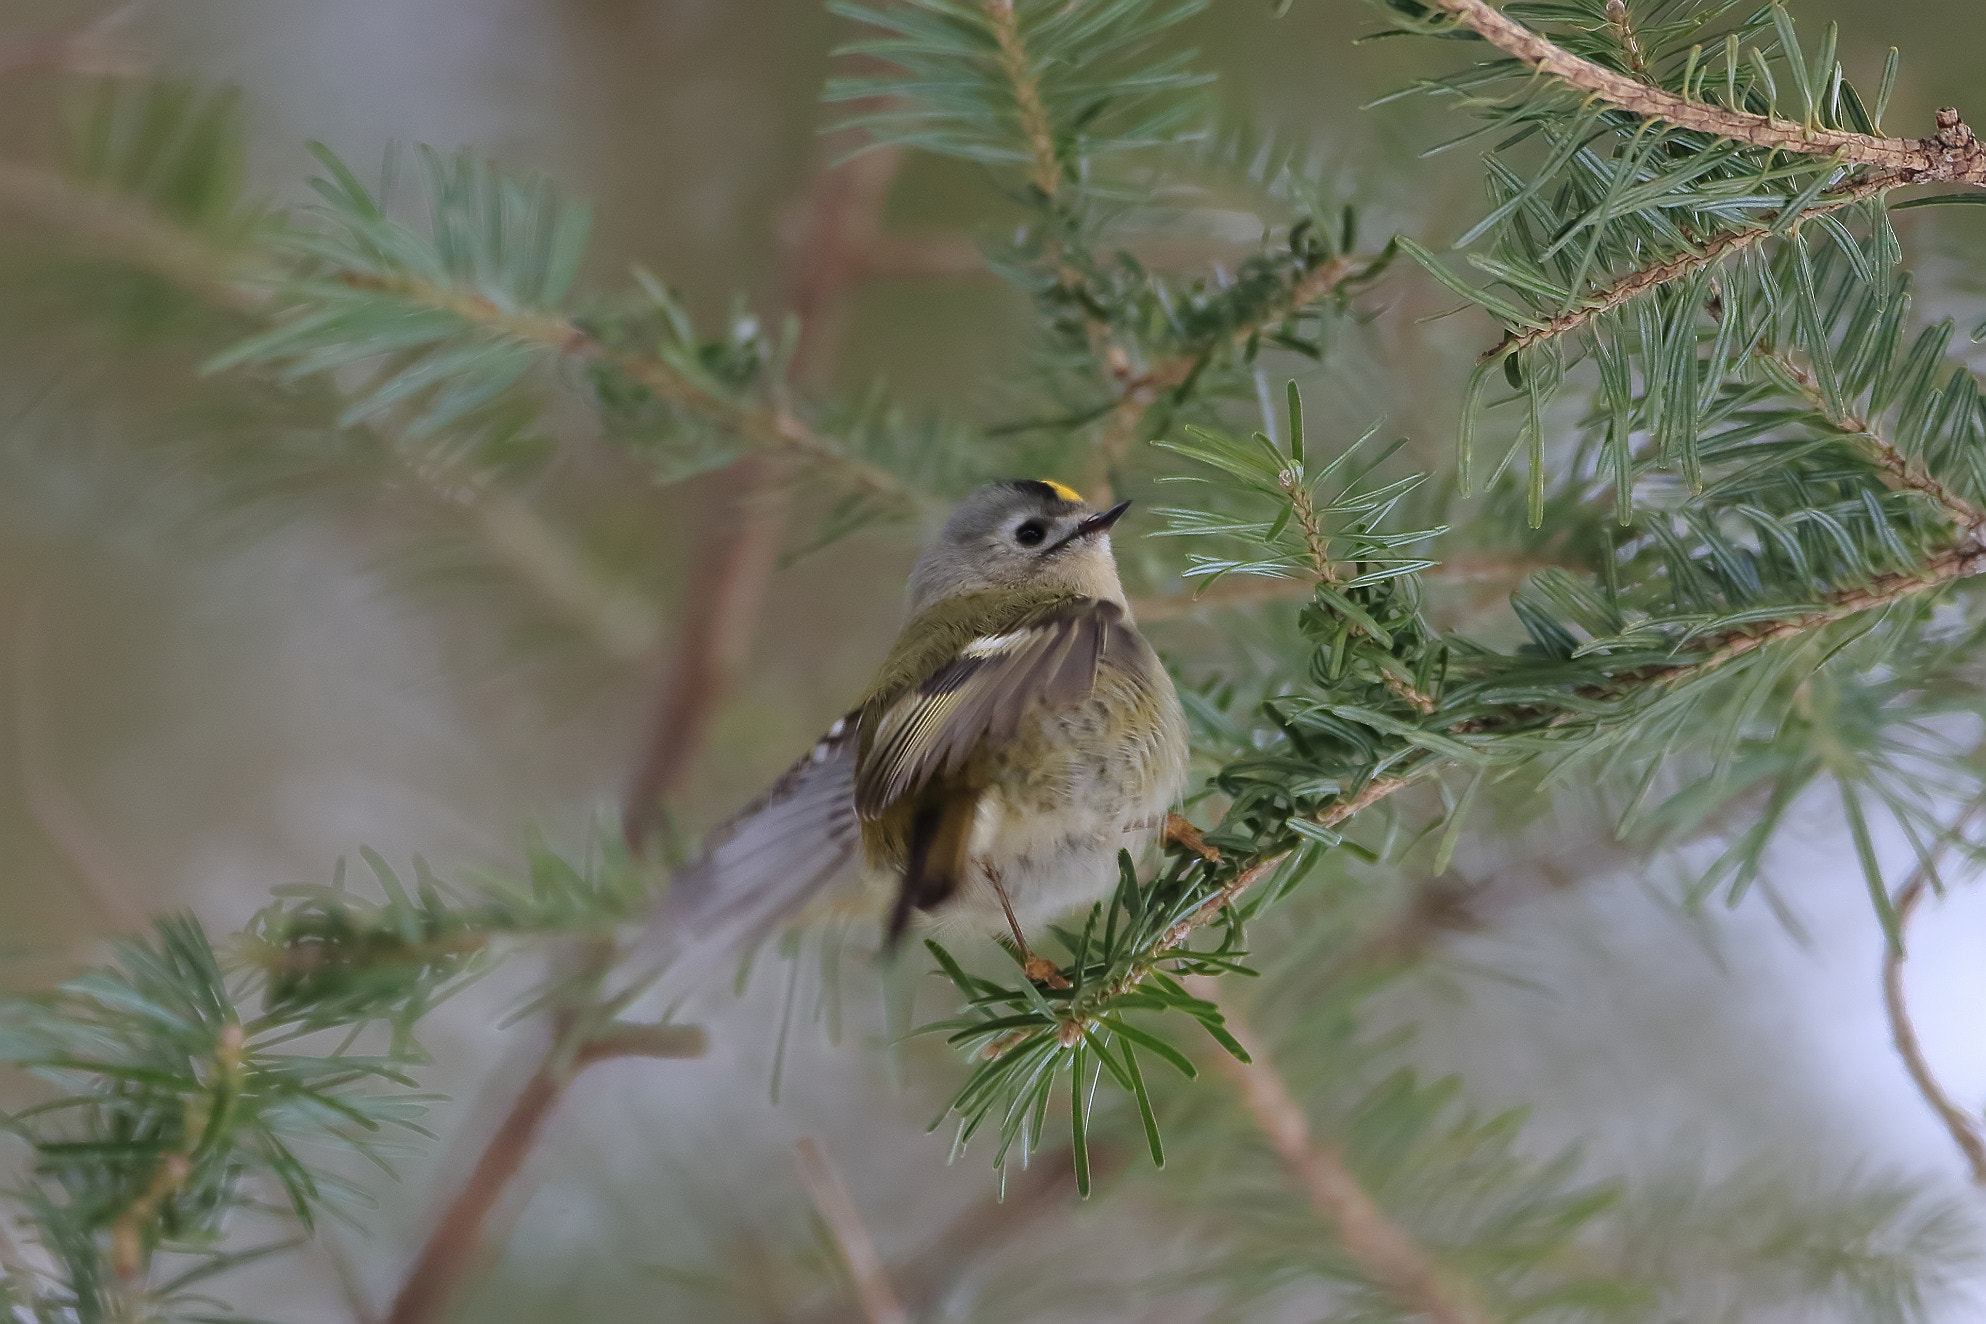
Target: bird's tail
(935, 863)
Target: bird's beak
(1095, 524)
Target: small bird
(1018, 736)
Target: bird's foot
(1181, 832)
(1043, 971)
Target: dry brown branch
(1952, 155)
(836, 1207)
(1637, 283)
(1383, 1250)
(1967, 1131)
(725, 588)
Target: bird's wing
(980, 694)
(769, 860)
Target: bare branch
(844, 1223)
(1952, 155)
(1967, 1131)
(452, 1246)
(1383, 1250)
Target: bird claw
(1181, 832)
(1043, 971)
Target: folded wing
(981, 695)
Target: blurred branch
(937, 255)
(844, 1223)
(722, 596)
(1500, 572)
(1966, 1130)
(1381, 1248)
(451, 1248)
(55, 811)
(512, 534)
(86, 50)
(926, 1274)
(744, 512)
(1952, 155)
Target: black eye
(1030, 533)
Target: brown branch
(744, 511)
(1953, 155)
(1966, 1129)
(725, 588)
(1384, 1252)
(451, 1248)
(844, 1224)
(1676, 268)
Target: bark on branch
(1951, 155)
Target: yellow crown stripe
(1062, 490)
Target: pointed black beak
(1095, 524)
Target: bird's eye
(1030, 533)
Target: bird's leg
(1182, 832)
(1034, 967)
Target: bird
(1020, 734)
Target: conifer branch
(1383, 1250)
(1045, 165)
(1137, 392)
(772, 427)
(1952, 155)
(515, 536)
(1967, 1131)
(1962, 561)
(1682, 266)
(1898, 469)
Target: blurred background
(205, 695)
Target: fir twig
(1671, 270)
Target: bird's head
(1019, 534)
